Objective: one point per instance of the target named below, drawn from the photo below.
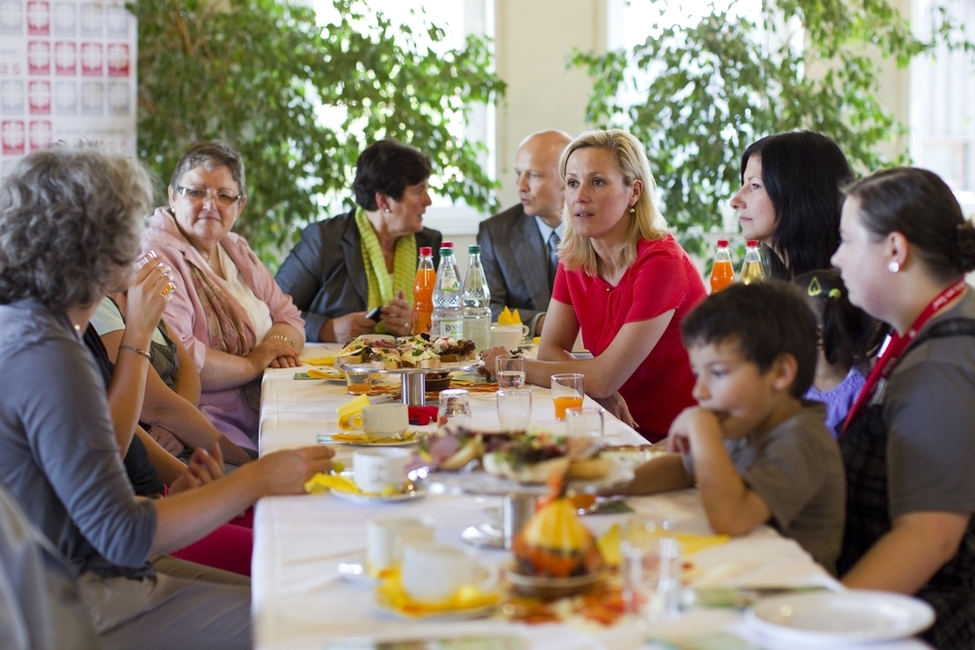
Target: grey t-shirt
(58, 453)
(929, 407)
(797, 470)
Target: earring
(893, 267)
(386, 210)
(632, 210)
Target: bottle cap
(447, 244)
(722, 242)
(426, 251)
(752, 242)
(445, 250)
(473, 248)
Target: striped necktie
(553, 255)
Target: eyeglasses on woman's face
(196, 196)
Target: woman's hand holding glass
(147, 298)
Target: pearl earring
(893, 267)
(386, 210)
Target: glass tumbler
(514, 408)
(455, 407)
(510, 372)
(567, 392)
(358, 382)
(651, 570)
(584, 421)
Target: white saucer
(415, 493)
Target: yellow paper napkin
(391, 594)
(345, 412)
(321, 483)
(507, 317)
(320, 361)
(609, 543)
(406, 436)
(324, 374)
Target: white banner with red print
(67, 72)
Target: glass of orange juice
(358, 381)
(567, 392)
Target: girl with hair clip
(845, 337)
(790, 197)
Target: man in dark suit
(519, 246)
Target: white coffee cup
(386, 537)
(384, 420)
(434, 572)
(508, 336)
(379, 470)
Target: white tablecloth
(300, 601)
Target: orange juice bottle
(563, 402)
(426, 278)
(722, 272)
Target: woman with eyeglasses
(227, 309)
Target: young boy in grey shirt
(758, 452)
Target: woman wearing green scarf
(345, 266)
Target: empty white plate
(853, 616)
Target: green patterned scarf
(381, 291)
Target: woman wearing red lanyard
(908, 443)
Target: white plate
(847, 617)
(416, 493)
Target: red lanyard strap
(896, 346)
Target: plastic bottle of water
(477, 301)
(448, 305)
(751, 269)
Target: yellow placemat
(392, 595)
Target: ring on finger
(168, 289)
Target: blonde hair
(646, 221)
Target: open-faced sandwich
(389, 353)
(450, 451)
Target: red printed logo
(38, 57)
(40, 135)
(91, 60)
(38, 18)
(12, 137)
(66, 58)
(118, 60)
(39, 97)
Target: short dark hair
(387, 167)
(848, 333)
(804, 174)
(765, 319)
(919, 205)
(69, 219)
(211, 155)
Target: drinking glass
(358, 382)
(651, 570)
(584, 421)
(455, 407)
(510, 372)
(567, 392)
(514, 408)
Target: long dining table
(301, 601)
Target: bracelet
(283, 338)
(132, 348)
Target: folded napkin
(609, 543)
(321, 483)
(320, 361)
(315, 373)
(507, 317)
(391, 594)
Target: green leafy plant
(292, 95)
(706, 91)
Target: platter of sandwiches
(523, 462)
(407, 353)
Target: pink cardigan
(228, 411)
